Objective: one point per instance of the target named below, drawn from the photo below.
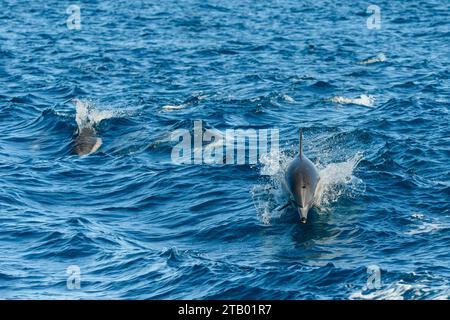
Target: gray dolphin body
(87, 141)
(302, 178)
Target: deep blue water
(142, 227)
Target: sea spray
(88, 115)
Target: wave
(402, 290)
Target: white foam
(425, 227)
(288, 98)
(270, 163)
(417, 215)
(174, 107)
(399, 290)
(381, 57)
(393, 292)
(337, 179)
(88, 115)
(195, 95)
(363, 100)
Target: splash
(336, 181)
(88, 116)
(381, 57)
(288, 98)
(363, 100)
(195, 99)
(267, 197)
(271, 163)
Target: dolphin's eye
(303, 187)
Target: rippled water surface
(374, 105)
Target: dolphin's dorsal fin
(301, 144)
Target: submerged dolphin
(87, 141)
(302, 178)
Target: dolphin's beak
(303, 212)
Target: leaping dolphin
(302, 178)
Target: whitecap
(363, 100)
(288, 98)
(400, 290)
(88, 115)
(170, 107)
(425, 227)
(381, 57)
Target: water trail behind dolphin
(336, 181)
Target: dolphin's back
(302, 178)
(87, 141)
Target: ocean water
(126, 222)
